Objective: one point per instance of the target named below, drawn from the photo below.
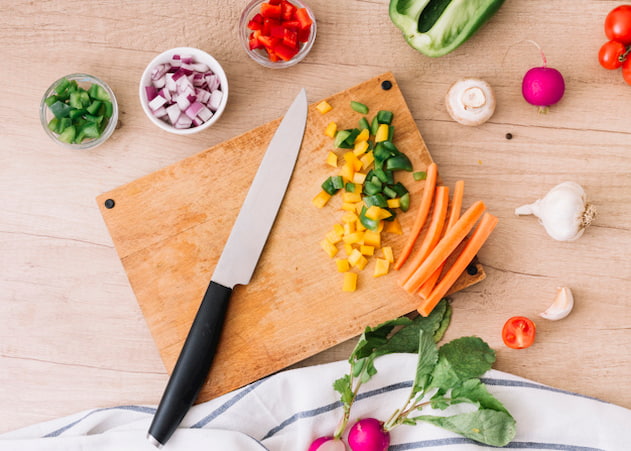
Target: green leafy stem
(444, 377)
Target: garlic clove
(561, 306)
(470, 101)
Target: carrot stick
(434, 230)
(421, 216)
(479, 236)
(454, 215)
(446, 246)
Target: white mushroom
(561, 306)
(470, 101)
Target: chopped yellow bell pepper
(382, 267)
(324, 107)
(367, 159)
(358, 179)
(333, 237)
(338, 229)
(331, 129)
(360, 148)
(382, 133)
(363, 136)
(342, 265)
(348, 249)
(354, 238)
(321, 199)
(349, 206)
(372, 238)
(387, 253)
(352, 159)
(351, 197)
(331, 159)
(350, 227)
(357, 260)
(349, 217)
(328, 247)
(350, 281)
(347, 172)
(367, 250)
(393, 227)
(394, 203)
(377, 213)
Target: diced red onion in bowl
(183, 93)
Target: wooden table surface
(72, 336)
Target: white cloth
(286, 411)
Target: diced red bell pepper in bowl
(280, 28)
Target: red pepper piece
(303, 34)
(292, 25)
(268, 42)
(277, 31)
(290, 38)
(256, 23)
(284, 52)
(274, 2)
(268, 24)
(254, 42)
(270, 11)
(288, 10)
(302, 16)
(271, 55)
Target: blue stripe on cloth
(525, 384)
(229, 403)
(61, 430)
(332, 406)
(456, 441)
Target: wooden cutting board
(169, 229)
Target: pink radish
(543, 86)
(368, 435)
(327, 444)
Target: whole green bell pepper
(436, 27)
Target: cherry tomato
(610, 53)
(626, 70)
(618, 24)
(518, 332)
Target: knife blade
(236, 265)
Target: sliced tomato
(518, 332)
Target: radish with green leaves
(543, 86)
(445, 376)
(368, 435)
(327, 444)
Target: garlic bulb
(470, 101)
(564, 211)
(561, 306)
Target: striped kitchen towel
(286, 411)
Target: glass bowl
(199, 56)
(260, 55)
(83, 81)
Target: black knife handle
(192, 365)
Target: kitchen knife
(235, 266)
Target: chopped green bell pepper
(437, 27)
